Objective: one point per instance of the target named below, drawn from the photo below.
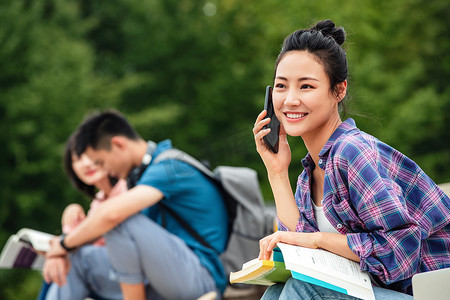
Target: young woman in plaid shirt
(356, 197)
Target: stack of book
(315, 266)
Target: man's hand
(56, 269)
(55, 249)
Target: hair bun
(328, 28)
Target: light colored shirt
(396, 219)
(322, 222)
(118, 188)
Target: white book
(20, 249)
(327, 269)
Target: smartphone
(271, 139)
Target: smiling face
(303, 100)
(86, 170)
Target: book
(20, 250)
(315, 266)
(262, 272)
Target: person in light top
(85, 272)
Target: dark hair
(69, 151)
(97, 130)
(324, 40)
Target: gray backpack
(249, 218)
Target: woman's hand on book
(266, 245)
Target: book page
(19, 254)
(251, 263)
(325, 262)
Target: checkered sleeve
(389, 243)
(281, 226)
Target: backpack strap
(185, 225)
(182, 156)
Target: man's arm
(108, 215)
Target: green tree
(46, 86)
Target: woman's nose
(292, 98)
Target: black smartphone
(271, 139)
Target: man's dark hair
(97, 130)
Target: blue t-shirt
(196, 200)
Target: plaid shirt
(395, 217)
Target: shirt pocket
(345, 215)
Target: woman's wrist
(278, 178)
(317, 240)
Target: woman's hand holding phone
(272, 138)
(276, 163)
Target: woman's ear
(341, 90)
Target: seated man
(151, 253)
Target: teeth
(295, 116)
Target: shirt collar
(344, 127)
(118, 188)
(152, 151)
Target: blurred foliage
(195, 72)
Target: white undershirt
(322, 221)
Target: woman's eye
(305, 86)
(279, 85)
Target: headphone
(136, 173)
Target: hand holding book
(315, 266)
(25, 249)
(262, 272)
(268, 243)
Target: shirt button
(320, 161)
(339, 226)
